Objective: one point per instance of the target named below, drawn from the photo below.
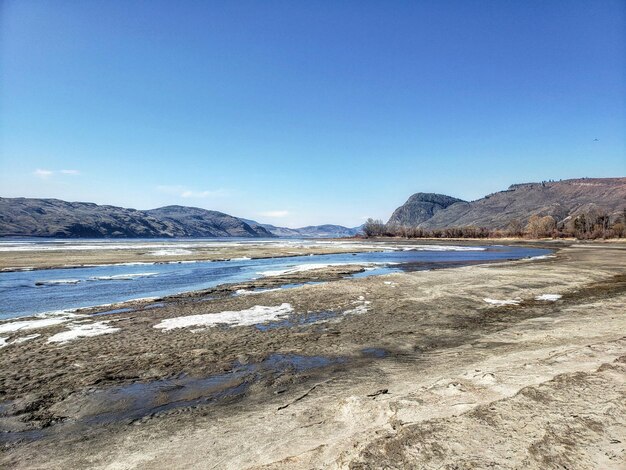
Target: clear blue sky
(306, 112)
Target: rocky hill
(195, 222)
(54, 218)
(421, 207)
(559, 199)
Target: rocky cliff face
(54, 218)
(559, 199)
(421, 207)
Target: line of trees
(586, 226)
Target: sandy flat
(48, 257)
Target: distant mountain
(54, 218)
(277, 231)
(559, 199)
(311, 231)
(327, 231)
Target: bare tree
(539, 227)
(374, 228)
(515, 228)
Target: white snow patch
(502, 302)
(83, 330)
(12, 326)
(252, 316)
(40, 320)
(3, 342)
(23, 339)
(549, 297)
(241, 258)
(361, 307)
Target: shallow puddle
(143, 400)
(116, 310)
(377, 353)
(129, 309)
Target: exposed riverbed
(28, 292)
(400, 369)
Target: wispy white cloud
(47, 174)
(43, 174)
(275, 214)
(187, 193)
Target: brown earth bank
(408, 370)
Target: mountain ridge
(33, 217)
(559, 199)
(310, 231)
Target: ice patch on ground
(83, 330)
(241, 258)
(170, 252)
(310, 266)
(297, 269)
(440, 248)
(549, 297)
(399, 247)
(542, 257)
(3, 342)
(503, 302)
(129, 263)
(121, 277)
(254, 292)
(252, 316)
(53, 282)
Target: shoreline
(282, 281)
(321, 391)
(17, 261)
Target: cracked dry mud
(426, 375)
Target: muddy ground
(408, 370)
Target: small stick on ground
(382, 391)
(303, 396)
